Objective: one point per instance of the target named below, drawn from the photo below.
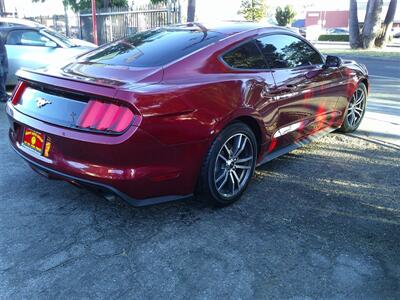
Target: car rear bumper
(134, 166)
(98, 187)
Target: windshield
(152, 48)
(61, 38)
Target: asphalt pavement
(322, 222)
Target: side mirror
(51, 44)
(332, 61)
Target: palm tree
(354, 29)
(2, 8)
(372, 23)
(191, 11)
(383, 36)
(374, 32)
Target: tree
(2, 8)
(383, 35)
(372, 23)
(285, 16)
(253, 10)
(354, 29)
(191, 10)
(373, 33)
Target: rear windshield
(152, 48)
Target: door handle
(291, 87)
(265, 91)
(325, 75)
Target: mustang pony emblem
(40, 102)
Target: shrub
(333, 38)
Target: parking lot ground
(322, 222)
(382, 119)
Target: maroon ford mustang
(182, 110)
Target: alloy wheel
(356, 107)
(233, 166)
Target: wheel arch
(254, 126)
(251, 119)
(366, 82)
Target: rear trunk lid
(53, 106)
(60, 96)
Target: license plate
(34, 140)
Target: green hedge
(333, 38)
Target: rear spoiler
(74, 85)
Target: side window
(27, 38)
(286, 51)
(246, 56)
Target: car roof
(227, 27)
(15, 22)
(6, 29)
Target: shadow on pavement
(321, 222)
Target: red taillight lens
(19, 90)
(103, 116)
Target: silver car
(37, 46)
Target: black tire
(216, 166)
(349, 124)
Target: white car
(32, 45)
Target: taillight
(19, 89)
(102, 116)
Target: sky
(207, 10)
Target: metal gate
(118, 23)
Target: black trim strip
(270, 156)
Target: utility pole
(95, 40)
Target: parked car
(182, 110)
(303, 31)
(337, 31)
(299, 30)
(31, 45)
(396, 34)
(9, 22)
(294, 29)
